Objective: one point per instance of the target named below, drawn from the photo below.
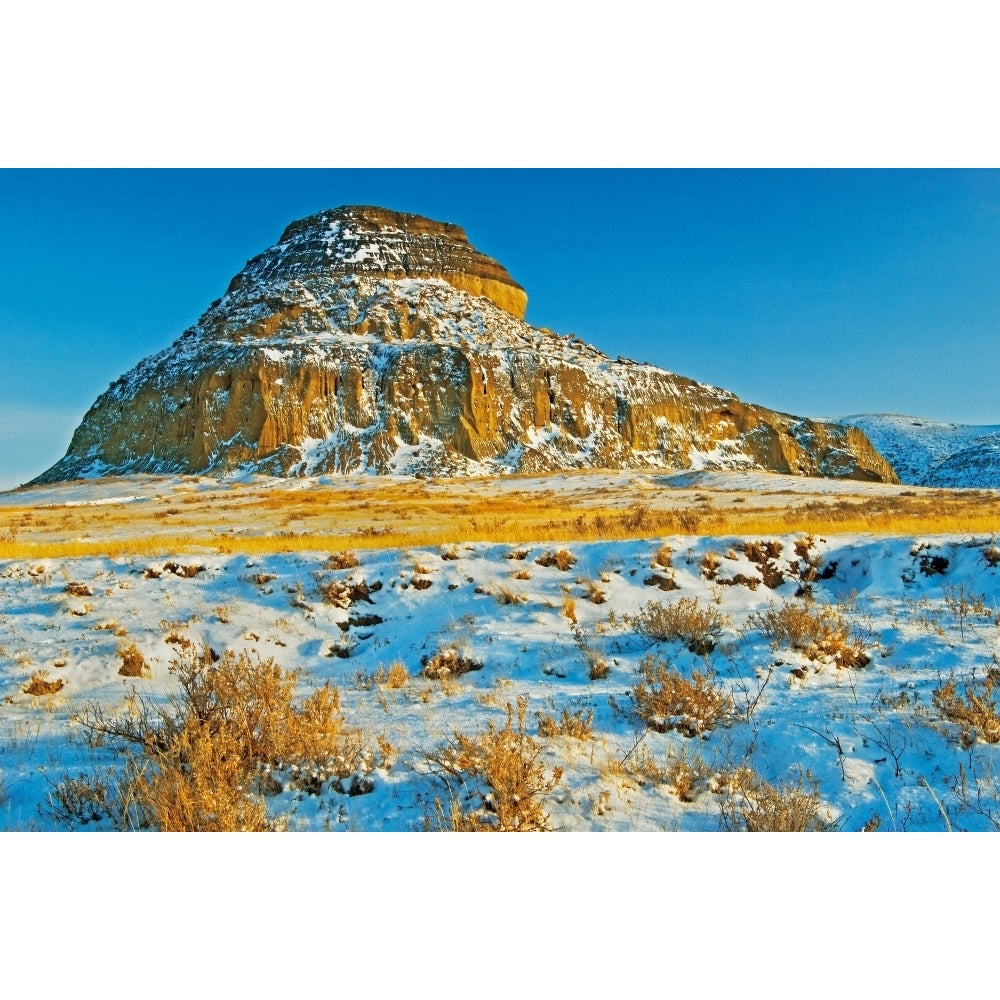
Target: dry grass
(574, 724)
(685, 620)
(205, 762)
(569, 609)
(133, 662)
(562, 559)
(342, 560)
(973, 708)
(753, 805)
(507, 595)
(817, 631)
(39, 684)
(448, 662)
(685, 775)
(666, 700)
(445, 512)
(504, 778)
(398, 676)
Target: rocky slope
(933, 452)
(373, 340)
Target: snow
(870, 736)
(934, 452)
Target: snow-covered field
(867, 742)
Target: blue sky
(816, 292)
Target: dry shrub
(518, 554)
(204, 761)
(504, 778)
(448, 662)
(398, 676)
(974, 709)
(134, 663)
(665, 699)
(81, 800)
(598, 668)
(763, 555)
(522, 574)
(569, 609)
(343, 593)
(754, 805)
(686, 620)
(575, 724)
(992, 556)
(40, 684)
(76, 589)
(594, 593)
(507, 595)
(450, 554)
(342, 560)
(817, 631)
(562, 559)
(710, 564)
(685, 775)
(662, 558)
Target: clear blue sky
(815, 292)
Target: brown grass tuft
(817, 631)
(753, 805)
(39, 684)
(134, 663)
(973, 709)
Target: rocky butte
(371, 340)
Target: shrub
(505, 778)
(448, 662)
(204, 761)
(507, 595)
(76, 589)
(39, 684)
(342, 560)
(81, 800)
(133, 662)
(816, 631)
(574, 724)
(562, 559)
(685, 620)
(974, 709)
(398, 676)
(662, 558)
(667, 700)
(594, 593)
(710, 564)
(685, 775)
(753, 805)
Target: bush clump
(697, 626)
(817, 631)
(666, 700)
(753, 805)
(205, 761)
(504, 777)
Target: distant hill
(933, 452)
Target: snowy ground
(870, 737)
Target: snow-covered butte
(370, 340)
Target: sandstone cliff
(374, 340)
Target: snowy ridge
(933, 452)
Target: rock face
(373, 340)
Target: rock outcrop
(373, 340)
